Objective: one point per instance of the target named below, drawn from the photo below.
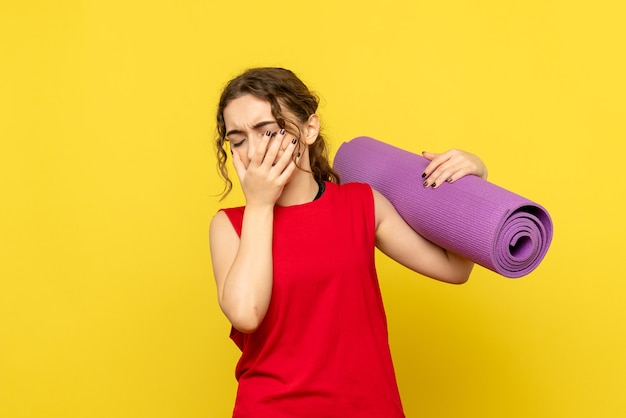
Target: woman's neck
(301, 189)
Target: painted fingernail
(434, 185)
(449, 180)
(273, 134)
(423, 175)
(268, 133)
(293, 141)
(282, 132)
(298, 154)
(426, 183)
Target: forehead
(246, 111)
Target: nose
(253, 142)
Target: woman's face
(247, 119)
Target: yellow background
(108, 183)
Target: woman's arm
(398, 240)
(243, 266)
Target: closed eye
(237, 144)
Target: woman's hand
(268, 170)
(451, 166)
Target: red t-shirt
(322, 348)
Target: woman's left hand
(451, 166)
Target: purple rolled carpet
(496, 228)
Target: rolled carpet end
(491, 226)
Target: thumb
(429, 155)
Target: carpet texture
(496, 228)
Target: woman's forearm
(247, 288)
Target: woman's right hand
(268, 170)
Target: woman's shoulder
(353, 194)
(232, 211)
(226, 216)
(352, 188)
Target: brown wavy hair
(282, 89)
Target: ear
(311, 129)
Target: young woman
(295, 269)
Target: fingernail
(293, 141)
(426, 183)
(231, 151)
(298, 154)
(449, 180)
(282, 132)
(268, 133)
(434, 185)
(423, 175)
(274, 134)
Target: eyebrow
(256, 126)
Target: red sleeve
(235, 215)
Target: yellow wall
(107, 305)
